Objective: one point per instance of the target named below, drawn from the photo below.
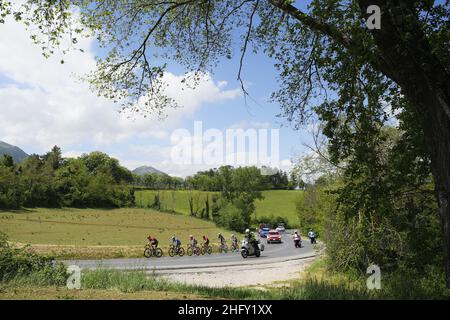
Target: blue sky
(43, 105)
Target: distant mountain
(15, 152)
(146, 170)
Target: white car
(281, 228)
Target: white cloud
(44, 104)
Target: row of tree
(158, 181)
(230, 206)
(212, 180)
(93, 180)
(269, 179)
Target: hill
(146, 170)
(275, 203)
(15, 152)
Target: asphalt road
(272, 253)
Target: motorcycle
(248, 249)
(312, 237)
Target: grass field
(275, 202)
(86, 233)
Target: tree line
(97, 180)
(212, 180)
(268, 179)
(49, 180)
(228, 200)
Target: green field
(275, 202)
(94, 232)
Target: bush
(22, 265)
(230, 217)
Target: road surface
(273, 253)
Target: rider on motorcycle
(153, 242)
(296, 237)
(312, 235)
(251, 238)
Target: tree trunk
(408, 59)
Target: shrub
(25, 266)
(231, 218)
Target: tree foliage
(93, 180)
(330, 66)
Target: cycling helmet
(247, 230)
(191, 237)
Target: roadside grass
(302, 289)
(135, 281)
(318, 282)
(275, 202)
(69, 233)
(315, 283)
(15, 292)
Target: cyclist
(153, 242)
(222, 241)
(176, 243)
(206, 241)
(234, 241)
(193, 241)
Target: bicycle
(206, 249)
(193, 250)
(176, 251)
(223, 248)
(150, 251)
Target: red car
(273, 236)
